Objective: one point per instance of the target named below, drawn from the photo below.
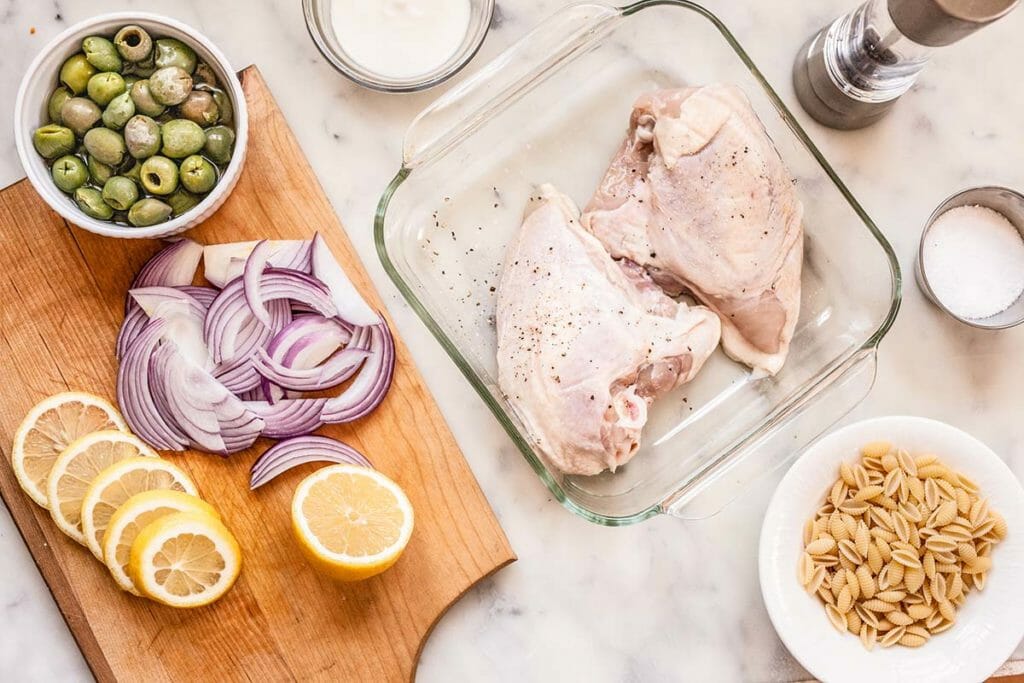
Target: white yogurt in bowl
(400, 38)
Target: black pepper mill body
(849, 74)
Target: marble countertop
(667, 599)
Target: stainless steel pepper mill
(849, 74)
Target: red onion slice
(372, 383)
(251, 278)
(351, 306)
(222, 263)
(290, 417)
(300, 450)
(184, 316)
(173, 266)
(135, 395)
(336, 370)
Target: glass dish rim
(496, 409)
(425, 82)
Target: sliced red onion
(300, 450)
(372, 383)
(222, 263)
(213, 418)
(290, 417)
(134, 320)
(229, 310)
(204, 295)
(173, 266)
(135, 395)
(351, 306)
(304, 343)
(184, 316)
(252, 277)
(336, 370)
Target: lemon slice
(351, 522)
(185, 559)
(49, 428)
(77, 466)
(132, 517)
(119, 482)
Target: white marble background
(666, 600)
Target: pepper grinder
(850, 73)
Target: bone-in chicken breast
(586, 343)
(698, 195)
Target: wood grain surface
(61, 299)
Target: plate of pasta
(893, 551)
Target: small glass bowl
(318, 22)
(1002, 200)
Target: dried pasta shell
(979, 566)
(860, 477)
(866, 615)
(885, 625)
(999, 527)
(848, 550)
(926, 594)
(817, 577)
(823, 545)
(919, 612)
(931, 494)
(846, 474)
(892, 596)
(963, 502)
(944, 514)
(915, 537)
(918, 630)
(940, 543)
(868, 492)
(895, 572)
(892, 637)
(880, 517)
(862, 539)
(808, 534)
(926, 459)
(853, 583)
(868, 637)
(891, 483)
(874, 559)
(940, 627)
(910, 513)
(967, 552)
(850, 523)
(967, 483)
(907, 558)
(899, 618)
(865, 581)
(906, 463)
(838, 582)
(889, 462)
(853, 622)
(826, 595)
(901, 527)
(979, 580)
(854, 507)
(871, 464)
(885, 535)
(886, 502)
(916, 489)
(836, 527)
(947, 610)
(947, 567)
(932, 471)
(933, 620)
(946, 489)
(984, 528)
(875, 449)
(958, 533)
(805, 569)
(913, 579)
(955, 588)
(838, 494)
(938, 587)
(928, 564)
(844, 601)
(912, 640)
(837, 618)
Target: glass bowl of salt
(971, 259)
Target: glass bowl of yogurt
(398, 45)
(970, 262)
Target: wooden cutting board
(61, 300)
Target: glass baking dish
(553, 108)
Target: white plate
(989, 625)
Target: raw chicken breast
(698, 195)
(585, 343)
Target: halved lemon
(50, 427)
(119, 482)
(78, 465)
(132, 517)
(185, 559)
(351, 522)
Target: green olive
(120, 193)
(170, 85)
(227, 111)
(52, 141)
(80, 114)
(159, 175)
(148, 212)
(171, 52)
(101, 53)
(76, 72)
(57, 100)
(99, 172)
(106, 145)
(198, 175)
(182, 138)
(105, 86)
(204, 75)
(142, 136)
(200, 107)
(219, 141)
(181, 200)
(143, 99)
(69, 173)
(117, 113)
(90, 201)
(133, 43)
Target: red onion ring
(299, 450)
(173, 266)
(372, 383)
(290, 417)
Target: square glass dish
(553, 108)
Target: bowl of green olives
(132, 125)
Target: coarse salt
(973, 258)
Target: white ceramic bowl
(41, 78)
(989, 625)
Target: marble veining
(666, 600)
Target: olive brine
(139, 129)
